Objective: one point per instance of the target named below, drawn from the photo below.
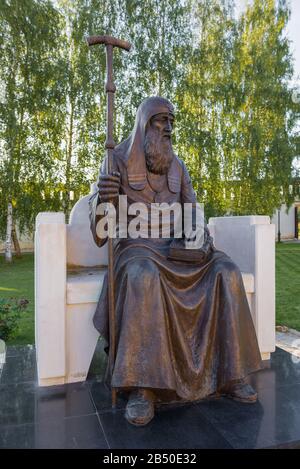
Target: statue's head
(157, 142)
(150, 144)
(155, 119)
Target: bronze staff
(110, 42)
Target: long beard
(158, 152)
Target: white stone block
(81, 248)
(50, 296)
(81, 338)
(85, 287)
(265, 286)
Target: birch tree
(28, 40)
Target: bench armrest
(250, 242)
(50, 295)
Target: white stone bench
(69, 271)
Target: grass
(288, 285)
(17, 280)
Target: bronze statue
(183, 329)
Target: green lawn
(288, 285)
(17, 280)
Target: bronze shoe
(241, 392)
(140, 407)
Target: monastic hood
(132, 149)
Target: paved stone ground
(290, 342)
(80, 416)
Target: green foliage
(17, 280)
(228, 78)
(10, 314)
(236, 106)
(287, 285)
(30, 68)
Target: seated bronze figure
(184, 329)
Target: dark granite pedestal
(79, 415)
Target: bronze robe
(181, 327)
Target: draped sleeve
(188, 195)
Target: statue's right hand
(109, 187)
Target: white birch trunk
(8, 253)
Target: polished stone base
(79, 415)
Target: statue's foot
(241, 392)
(140, 407)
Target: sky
(293, 32)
